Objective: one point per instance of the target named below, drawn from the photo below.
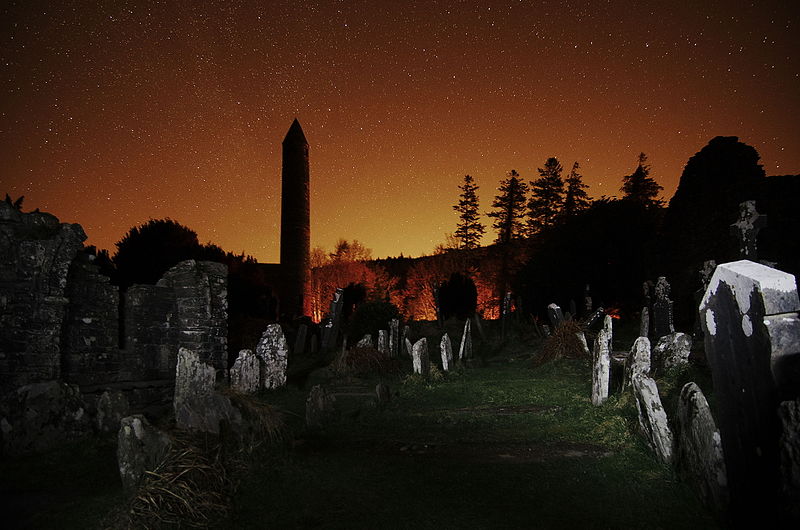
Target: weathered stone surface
(747, 358)
(652, 417)
(671, 351)
(365, 342)
(662, 310)
(140, 447)
(582, 338)
(41, 416)
(601, 369)
(320, 407)
(446, 348)
(789, 413)
(383, 342)
(394, 338)
(112, 406)
(245, 373)
(644, 323)
(555, 315)
(409, 347)
(274, 351)
(206, 413)
(419, 354)
(608, 326)
(638, 361)
(193, 378)
(465, 349)
(698, 448)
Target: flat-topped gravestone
(465, 349)
(274, 351)
(446, 348)
(419, 355)
(652, 417)
(601, 369)
(752, 339)
(638, 361)
(698, 448)
(330, 332)
(245, 374)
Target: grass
(507, 446)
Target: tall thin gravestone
(662, 310)
(752, 333)
(465, 349)
(394, 338)
(383, 342)
(601, 369)
(446, 348)
(419, 354)
(505, 310)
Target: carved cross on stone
(746, 229)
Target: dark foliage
(469, 229)
(369, 317)
(458, 297)
(509, 208)
(640, 187)
(547, 197)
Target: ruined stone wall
(35, 254)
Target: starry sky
(115, 112)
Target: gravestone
(383, 342)
(698, 448)
(752, 334)
(671, 351)
(273, 350)
(197, 406)
(420, 358)
(409, 348)
(406, 338)
(662, 310)
(644, 323)
(608, 326)
(601, 369)
(193, 378)
(394, 338)
(320, 408)
(638, 361)
(330, 332)
(582, 338)
(365, 342)
(446, 348)
(505, 311)
(789, 414)
(300, 340)
(245, 373)
(587, 301)
(555, 315)
(746, 229)
(112, 406)
(465, 349)
(140, 448)
(704, 274)
(652, 417)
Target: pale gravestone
(365, 342)
(652, 417)
(582, 338)
(465, 349)
(752, 339)
(419, 355)
(608, 326)
(662, 310)
(245, 374)
(601, 369)
(409, 348)
(394, 338)
(446, 348)
(273, 350)
(698, 448)
(671, 351)
(746, 229)
(555, 315)
(197, 406)
(638, 361)
(383, 342)
(193, 378)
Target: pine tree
(576, 199)
(509, 208)
(640, 187)
(547, 197)
(469, 229)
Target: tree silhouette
(469, 229)
(146, 252)
(16, 204)
(640, 187)
(547, 197)
(347, 251)
(509, 208)
(575, 199)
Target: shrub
(563, 343)
(370, 317)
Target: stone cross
(752, 343)
(746, 229)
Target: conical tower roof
(295, 134)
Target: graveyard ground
(504, 445)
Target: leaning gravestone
(140, 448)
(752, 339)
(601, 370)
(698, 448)
(383, 342)
(273, 350)
(638, 361)
(555, 315)
(652, 417)
(409, 347)
(419, 355)
(662, 310)
(394, 338)
(365, 342)
(446, 348)
(245, 373)
(671, 351)
(465, 349)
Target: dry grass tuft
(360, 361)
(563, 343)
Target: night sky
(116, 112)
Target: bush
(563, 343)
(370, 317)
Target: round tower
(295, 224)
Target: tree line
(526, 209)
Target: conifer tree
(509, 208)
(469, 229)
(575, 199)
(640, 187)
(547, 197)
